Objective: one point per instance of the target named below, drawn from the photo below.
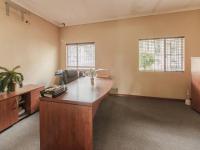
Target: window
(164, 54)
(81, 56)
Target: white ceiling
(74, 12)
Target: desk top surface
(20, 91)
(82, 92)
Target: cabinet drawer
(35, 100)
(8, 113)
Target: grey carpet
(22, 136)
(124, 124)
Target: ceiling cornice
(60, 24)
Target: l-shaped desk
(66, 122)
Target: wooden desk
(66, 122)
(9, 104)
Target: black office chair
(67, 76)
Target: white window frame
(81, 67)
(165, 70)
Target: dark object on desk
(67, 76)
(53, 91)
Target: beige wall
(34, 46)
(117, 49)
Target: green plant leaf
(15, 68)
(21, 76)
(5, 82)
(3, 68)
(3, 74)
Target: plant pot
(11, 87)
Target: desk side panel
(65, 126)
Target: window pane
(151, 55)
(86, 55)
(165, 54)
(81, 56)
(72, 55)
(174, 54)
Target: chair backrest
(69, 76)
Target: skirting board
(156, 98)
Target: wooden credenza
(9, 104)
(195, 85)
(195, 92)
(66, 122)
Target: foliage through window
(163, 54)
(81, 56)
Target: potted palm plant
(10, 78)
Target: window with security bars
(81, 56)
(163, 54)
